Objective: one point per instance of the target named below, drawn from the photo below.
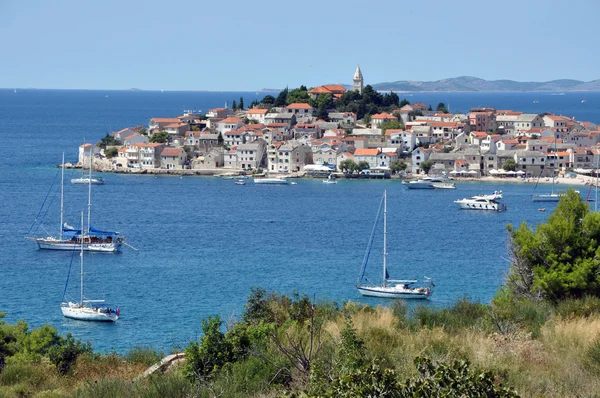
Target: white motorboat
(272, 181)
(423, 183)
(240, 182)
(493, 196)
(429, 183)
(480, 204)
(390, 288)
(444, 185)
(88, 180)
(87, 310)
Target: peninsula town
(359, 132)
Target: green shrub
(592, 356)
(462, 315)
(106, 388)
(65, 355)
(458, 379)
(32, 374)
(510, 313)
(213, 351)
(144, 356)
(169, 385)
(583, 307)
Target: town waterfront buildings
(286, 139)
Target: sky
(234, 45)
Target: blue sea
(204, 242)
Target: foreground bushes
(291, 345)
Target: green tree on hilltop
(298, 95)
(281, 98)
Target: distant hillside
(469, 83)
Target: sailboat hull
(551, 197)
(57, 244)
(395, 292)
(83, 313)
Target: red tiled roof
(299, 105)
(171, 152)
(165, 120)
(383, 116)
(231, 120)
(366, 152)
(257, 111)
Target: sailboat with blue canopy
(70, 238)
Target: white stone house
(135, 138)
(211, 160)
(369, 155)
(379, 118)
(121, 134)
(532, 162)
(419, 156)
(235, 137)
(528, 121)
(324, 154)
(173, 158)
(229, 124)
(176, 130)
(257, 114)
(85, 151)
(158, 123)
(149, 154)
(404, 139)
(300, 109)
(249, 156)
(343, 117)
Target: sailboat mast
(384, 238)
(62, 197)
(89, 209)
(82, 236)
(555, 161)
(597, 163)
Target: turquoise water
(204, 242)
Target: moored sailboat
(70, 238)
(87, 310)
(390, 288)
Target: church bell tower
(357, 80)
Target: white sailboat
(87, 310)
(70, 238)
(87, 179)
(390, 288)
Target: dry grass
(563, 362)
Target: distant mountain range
(469, 83)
